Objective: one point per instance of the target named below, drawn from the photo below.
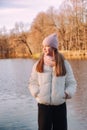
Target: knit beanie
(51, 41)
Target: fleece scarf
(49, 60)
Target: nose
(44, 48)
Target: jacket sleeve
(70, 82)
(33, 82)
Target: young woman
(51, 83)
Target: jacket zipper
(51, 89)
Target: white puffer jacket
(49, 89)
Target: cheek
(43, 49)
(46, 50)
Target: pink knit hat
(51, 41)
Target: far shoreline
(68, 54)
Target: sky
(16, 11)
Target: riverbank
(80, 54)
(68, 54)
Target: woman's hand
(66, 95)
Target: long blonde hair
(60, 69)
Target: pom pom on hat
(51, 41)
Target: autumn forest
(69, 21)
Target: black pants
(52, 117)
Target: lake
(18, 109)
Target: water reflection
(79, 102)
(18, 110)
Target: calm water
(18, 110)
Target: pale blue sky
(12, 11)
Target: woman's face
(47, 50)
